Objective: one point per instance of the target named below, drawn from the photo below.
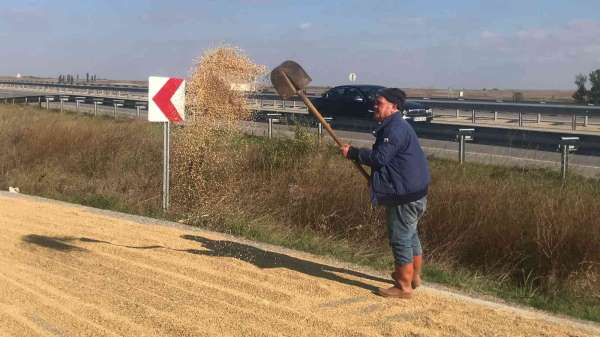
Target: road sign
(166, 99)
(352, 77)
(166, 104)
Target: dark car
(357, 102)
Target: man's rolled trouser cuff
(402, 230)
(402, 254)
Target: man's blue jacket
(399, 169)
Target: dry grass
(102, 163)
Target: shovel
(289, 79)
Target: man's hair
(394, 96)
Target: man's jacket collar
(385, 122)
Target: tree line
(75, 78)
(583, 95)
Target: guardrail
(262, 100)
(99, 90)
(57, 101)
(576, 120)
(95, 104)
(273, 105)
(573, 119)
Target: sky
(509, 44)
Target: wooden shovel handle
(327, 127)
(322, 120)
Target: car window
(352, 93)
(371, 92)
(336, 92)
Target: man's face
(383, 109)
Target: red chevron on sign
(163, 99)
(166, 99)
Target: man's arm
(379, 156)
(375, 158)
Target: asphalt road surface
(68, 270)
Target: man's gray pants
(402, 223)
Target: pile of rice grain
(210, 93)
(202, 166)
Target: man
(399, 181)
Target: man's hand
(345, 148)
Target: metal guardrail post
(564, 161)
(586, 120)
(270, 132)
(139, 110)
(473, 117)
(461, 149)
(320, 129)
(520, 118)
(78, 102)
(495, 116)
(463, 136)
(272, 118)
(574, 121)
(457, 113)
(566, 146)
(539, 118)
(115, 110)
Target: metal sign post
(166, 163)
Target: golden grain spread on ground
(71, 271)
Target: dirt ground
(73, 271)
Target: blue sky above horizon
(528, 44)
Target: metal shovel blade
(296, 75)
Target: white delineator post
(166, 104)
